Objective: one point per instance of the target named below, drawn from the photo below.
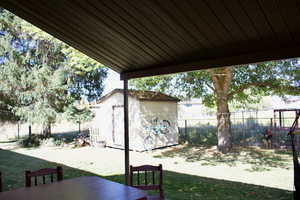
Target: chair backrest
(150, 174)
(43, 173)
(0, 182)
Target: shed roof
(142, 38)
(141, 95)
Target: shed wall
(105, 123)
(159, 119)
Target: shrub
(40, 140)
(32, 141)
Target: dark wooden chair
(43, 173)
(1, 182)
(153, 179)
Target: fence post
(271, 122)
(280, 118)
(257, 116)
(29, 130)
(18, 130)
(243, 118)
(185, 130)
(233, 127)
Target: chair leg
(60, 173)
(0, 182)
(27, 179)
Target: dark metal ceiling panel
(150, 37)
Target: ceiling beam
(256, 57)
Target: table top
(82, 188)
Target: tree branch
(210, 87)
(262, 84)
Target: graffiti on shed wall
(159, 126)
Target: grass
(177, 186)
(182, 186)
(258, 159)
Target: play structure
(280, 120)
(293, 130)
(280, 124)
(275, 136)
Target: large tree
(221, 86)
(41, 77)
(34, 77)
(89, 75)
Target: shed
(152, 119)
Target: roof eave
(254, 57)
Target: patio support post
(126, 131)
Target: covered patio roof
(143, 38)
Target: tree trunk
(222, 78)
(47, 130)
(79, 127)
(224, 126)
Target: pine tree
(41, 78)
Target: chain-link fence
(15, 130)
(248, 129)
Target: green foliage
(79, 115)
(32, 141)
(221, 86)
(34, 80)
(41, 77)
(88, 76)
(252, 82)
(248, 85)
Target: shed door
(118, 125)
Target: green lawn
(177, 186)
(257, 159)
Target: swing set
(292, 132)
(279, 120)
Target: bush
(32, 141)
(40, 140)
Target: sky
(112, 82)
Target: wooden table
(82, 188)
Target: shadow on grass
(258, 159)
(182, 186)
(177, 186)
(13, 166)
